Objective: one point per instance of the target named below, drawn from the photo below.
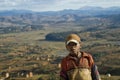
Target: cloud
(48, 5)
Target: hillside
(34, 41)
(23, 20)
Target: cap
(73, 38)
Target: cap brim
(72, 40)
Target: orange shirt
(72, 68)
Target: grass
(46, 77)
(34, 38)
(105, 77)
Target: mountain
(88, 10)
(14, 12)
(88, 17)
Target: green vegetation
(58, 36)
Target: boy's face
(73, 48)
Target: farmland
(27, 53)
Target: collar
(83, 54)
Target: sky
(54, 5)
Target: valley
(32, 45)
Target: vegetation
(14, 29)
(37, 45)
(58, 36)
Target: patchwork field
(26, 52)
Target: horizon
(84, 7)
(54, 5)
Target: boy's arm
(94, 73)
(63, 73)
(63, 76)
(94, 70)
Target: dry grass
(34, 38)
(105, 77)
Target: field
(30, 52)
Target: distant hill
(14, 12)
(88, 17)
(88, 10)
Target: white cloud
(44, 5)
